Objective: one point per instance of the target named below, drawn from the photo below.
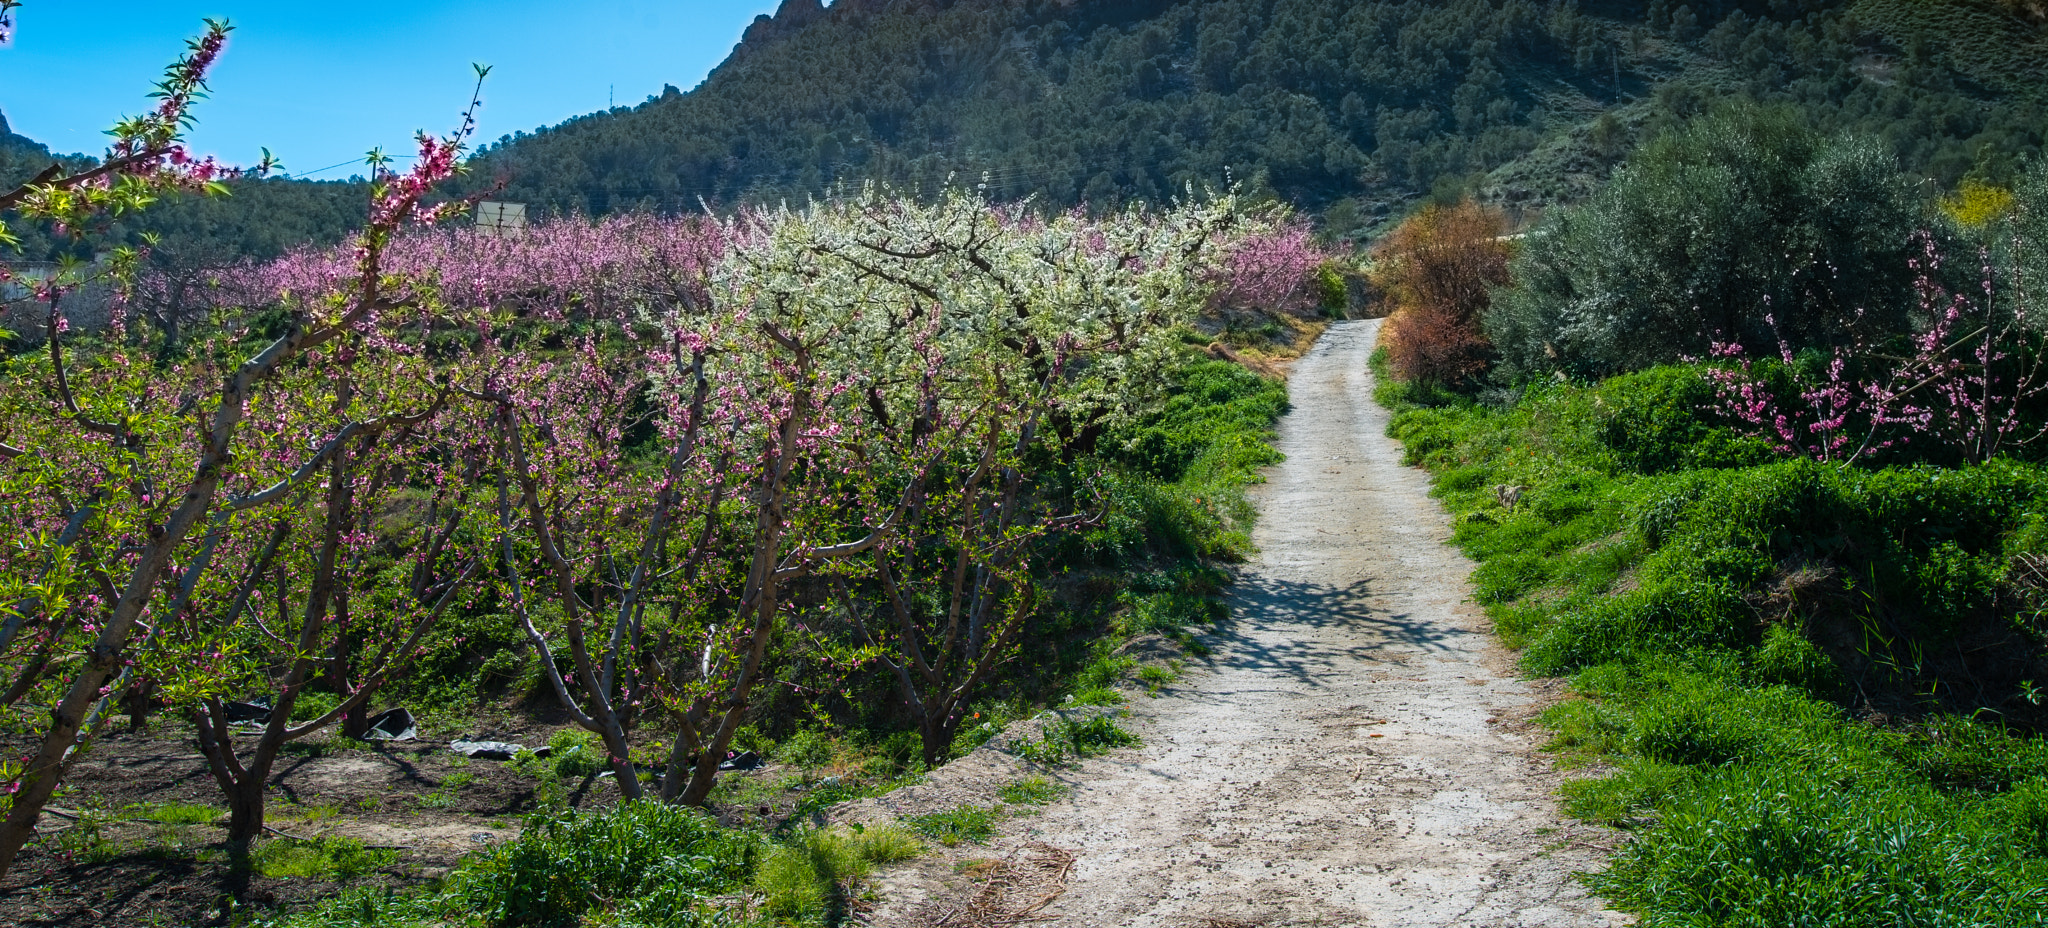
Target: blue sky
(321, 83)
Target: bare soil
(1355, 750)
(400, 797)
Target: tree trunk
(703, 776)
(620, 759)
(937, 732)
(245, 814)
(139, 702)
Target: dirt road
(1355, 751)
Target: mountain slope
(259, 218)
(1353, 105)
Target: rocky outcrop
(766, 30)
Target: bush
(1437, 271)
(1706, 231)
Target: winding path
(1355, 751)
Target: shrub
(573, 752)
(809, 748)
(1437, 272)
(1744, 213)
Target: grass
(1156, 676)
(974, 824)
(173, 813)
(336, 859)
(1065, 738)
(813, 873)
(444, 797)
(1031, 791)
(1719, 613)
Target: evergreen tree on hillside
(1359, 105)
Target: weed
(884, 844)
(338, 859)
(173, 813)
(639, 861)
(975, 824)
(1031, 791)
(322, 747)
(1095, 696)
(1077, 738)
(573, 752)
(808, 748)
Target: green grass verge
(1774, 657)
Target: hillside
(1351, 108)
(260, 218)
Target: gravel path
(1356, 751)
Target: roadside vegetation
(1783, 535)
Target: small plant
(1156, 677)
(444, 797)
(573, 752)
(174, 813)
(1106, 671)
(808, 748)
(1096, 735)
(85, 842)
(1096, 696)
(304, 813)
(975, 824)
(339, 859)
(885, 844)
(1065, 738)
(1031, 791)
(1045, 752)
(316, 748)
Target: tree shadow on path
(1309, 631)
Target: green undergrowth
(1814, 692)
